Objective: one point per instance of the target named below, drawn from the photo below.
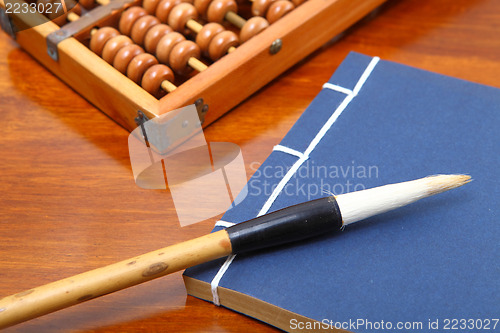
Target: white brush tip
(356, 206)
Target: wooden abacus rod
(196, 64)
(235, 19)
(72, 17)
(167, 86)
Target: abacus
(137, 59)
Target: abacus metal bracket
(166, 132)
(85, 21)
(6, 24)
(141, 118)
(202, 109)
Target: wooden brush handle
(83, 287)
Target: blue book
(430, 266)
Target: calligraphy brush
(286, 225)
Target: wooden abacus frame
(251, 65)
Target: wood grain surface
(69, 203)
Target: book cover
(427, 267)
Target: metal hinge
(165, 132)
(202, 109)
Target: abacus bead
(166, 44)
(164, 8)
(125, 55)
(221, 43)
(218, 9)
(206, 34)
(278, 9)
(114, 45)
(180, 55)
(138, 65)
(180, 15)
(202, 6)
(141, 27)
(150, 6)
(260, 7)
(87, 3)
(154, 35)
(253, 26)
(154, 76)
(298, 2)
(99, 39)
(129, 17)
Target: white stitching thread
(224, 224)
(335, 87)
(288, 151)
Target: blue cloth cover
(436, 259)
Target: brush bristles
(357, 206)
(442, 183)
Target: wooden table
(69, 202)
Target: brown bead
(260, 7)
(298, 2)
(221, 43)
(180, 15)
(218, 9)
(278, 9)
(253, 26)
(154, 35)
(141, 27)
(180, 55)
(164, 8)
(87, 4)
(114, 45)
(166, 44)
(206, 34)
(150, 6)
(154, 76)
(99, 39)
(202, 6)
(129, 17)
(125, 55)
(138, 66)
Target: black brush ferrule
(308, 219)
